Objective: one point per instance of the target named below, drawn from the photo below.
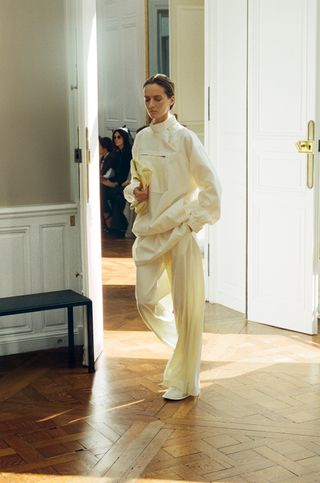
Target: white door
(282, 70)
(85, 100)
(261, 68)
(225, 140)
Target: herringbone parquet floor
(257, 419)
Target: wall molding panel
(186, 42)
(39, 251)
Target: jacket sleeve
(134, 183)
(128, 191)
(206, 208)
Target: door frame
(83, 106)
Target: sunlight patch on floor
(118, 271)
(238, 353)
(44, 478)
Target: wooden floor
(257, 419)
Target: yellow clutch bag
(142, 174)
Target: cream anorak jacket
(179, 165)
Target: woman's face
(118, 140)
(157, 102)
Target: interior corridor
(256, 420)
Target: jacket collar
(167, 124)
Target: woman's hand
(140, 194)
(107, 182)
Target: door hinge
(78, 155)
(72, 220)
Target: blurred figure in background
(113, 187)
(107, 173)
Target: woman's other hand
(140, 194)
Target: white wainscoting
(39, 252)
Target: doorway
(231, 32)
(133, 43)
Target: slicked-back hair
(163, 81)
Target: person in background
(107, 173)
(169, 164)
(105, 148)
(113, 188)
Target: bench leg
(70, 336)
(90, 338)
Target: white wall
(186, 40)
(34, 153)
(121, 64)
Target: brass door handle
(307, 147)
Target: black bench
(54, 300)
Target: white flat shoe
(174, 394)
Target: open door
(84, 136)
(226, 140)
(282, 187)
(262, 65)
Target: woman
(113, 189)
(168, 259)
(105, 148)
(106, 176)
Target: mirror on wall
(158, 36)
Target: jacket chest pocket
(158, 164)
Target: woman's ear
(172, 101)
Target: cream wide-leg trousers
(170, 300)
